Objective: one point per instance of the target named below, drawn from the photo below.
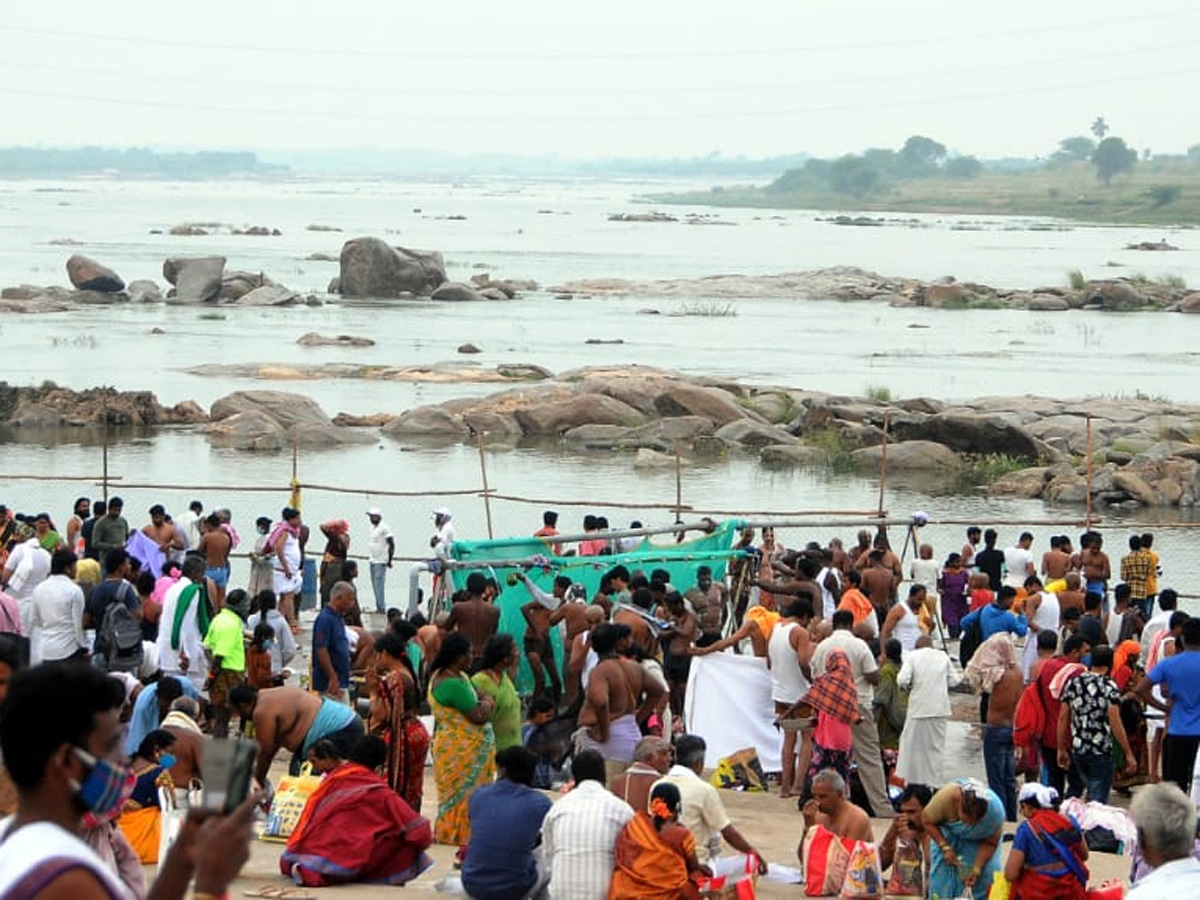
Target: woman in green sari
(463, 742)
(494, 680)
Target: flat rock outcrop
(273, 420)
(53, 406)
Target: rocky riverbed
(1144, 452)
(371, 270)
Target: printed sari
(463, 759)
(407, 739)
(1053, 869)
(355, 828)
(651, 865)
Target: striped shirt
(578, 836)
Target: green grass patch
(836, 447)
(211, 317)
(1076, 280)
(981, 469)
(707, 309)
(879, 393)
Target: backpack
(121, 635)
(969, 641)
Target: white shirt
(1160, 621)
(925, 572)
(190, 641)
(377, 544)
(284, 648)
(1019, 564)
(1176, 879)
(57, 619)
(928, 676)
(36, 843)
(788, 683)
(828, 601)
(702, 811)
(445, 539)
(191, 527)
(30, 566)
(862, 662)
(578, 837)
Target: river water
(553, 232)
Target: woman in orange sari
(394, 718)
(656, 856)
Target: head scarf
(994, 657)
(337, 526)
(833, 693)
(87, 571)
(1122, 654)
(1046, 796)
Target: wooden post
(883, 463)
(295, 499)
(1088, 515)
(678, 484)
(487, 494)
(104, 442)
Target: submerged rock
(88, 275)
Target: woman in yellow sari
(463, 742)
(655, 856)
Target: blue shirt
(329, 633)
(994, 620)
(144, 718)
(1179, 676)
(506, 826)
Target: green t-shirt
(506, 716)
(226, 639)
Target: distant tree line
(876, 170)
(31, 162)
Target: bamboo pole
(487, 502)
(1088, 501)
(883, 464)
(678, 484)
(104, 442)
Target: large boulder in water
(457, 292)
(197, 279)
(970, 433)
(913, 456)
(271, 420)
(557, 417)
(370, 267)
(426, 421)
(88, 275)
(683, 399)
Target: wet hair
(799, 608)
(75, 694)
(1047, 639)
(973, 531)
(498, 649)
(323, 749)
(589, 522)
(289, 512)
(541, 705)
(476, 583)
(605, 637)
(659, 576)
(1102, 657)
(562, 581)
(1073, 643)
(212, 520)
(854, 577)
(842, 620)
(588, 766)
(549, 517)
(894, 650)
(1168, 598)
(454, 647)
(145, 582)
(642, 598)
(1092, 600)
(519, 764)
(403, 629)
(370, 751)
(158, 739)
(243, 695)
(1122, 592)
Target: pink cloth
(10, 615)
(162, 585)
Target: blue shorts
(218, 576)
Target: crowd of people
(1087, 684)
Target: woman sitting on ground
(355, 828)
(141, 819)
(1047, 858)
(656, 856)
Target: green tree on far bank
(1100, 128)
(1075, 149)
(1113, 156)
(921, 156)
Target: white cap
(375, 511)
(442, 511)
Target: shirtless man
(644, 638)
(999, 755)
(429, 636)
(582, 658)
(215, 544)
(709, 600)
(573, 614)
(1094, 565)
(974, 536)
(859, 551)
(291, 718)
(879, 584)
(651, 760)
(474, 617)
(801, 584)
(161, 531)
(182, 720)
(537, 646)
(751, 628)
(1073, 596)
(1055, 562)
(617, 691)
(677, 638)
(838, 557)
(830, 807)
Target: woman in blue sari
(965, 821)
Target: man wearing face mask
(69, 769)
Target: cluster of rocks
(849, 283)
(372, 268)
(1144, 452)
(202, 229)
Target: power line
(550, 90)
(309, 115)
(524, 54)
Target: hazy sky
(645, 78)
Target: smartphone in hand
(227, 769)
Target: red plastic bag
(825, 857)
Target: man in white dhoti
(927, 675)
